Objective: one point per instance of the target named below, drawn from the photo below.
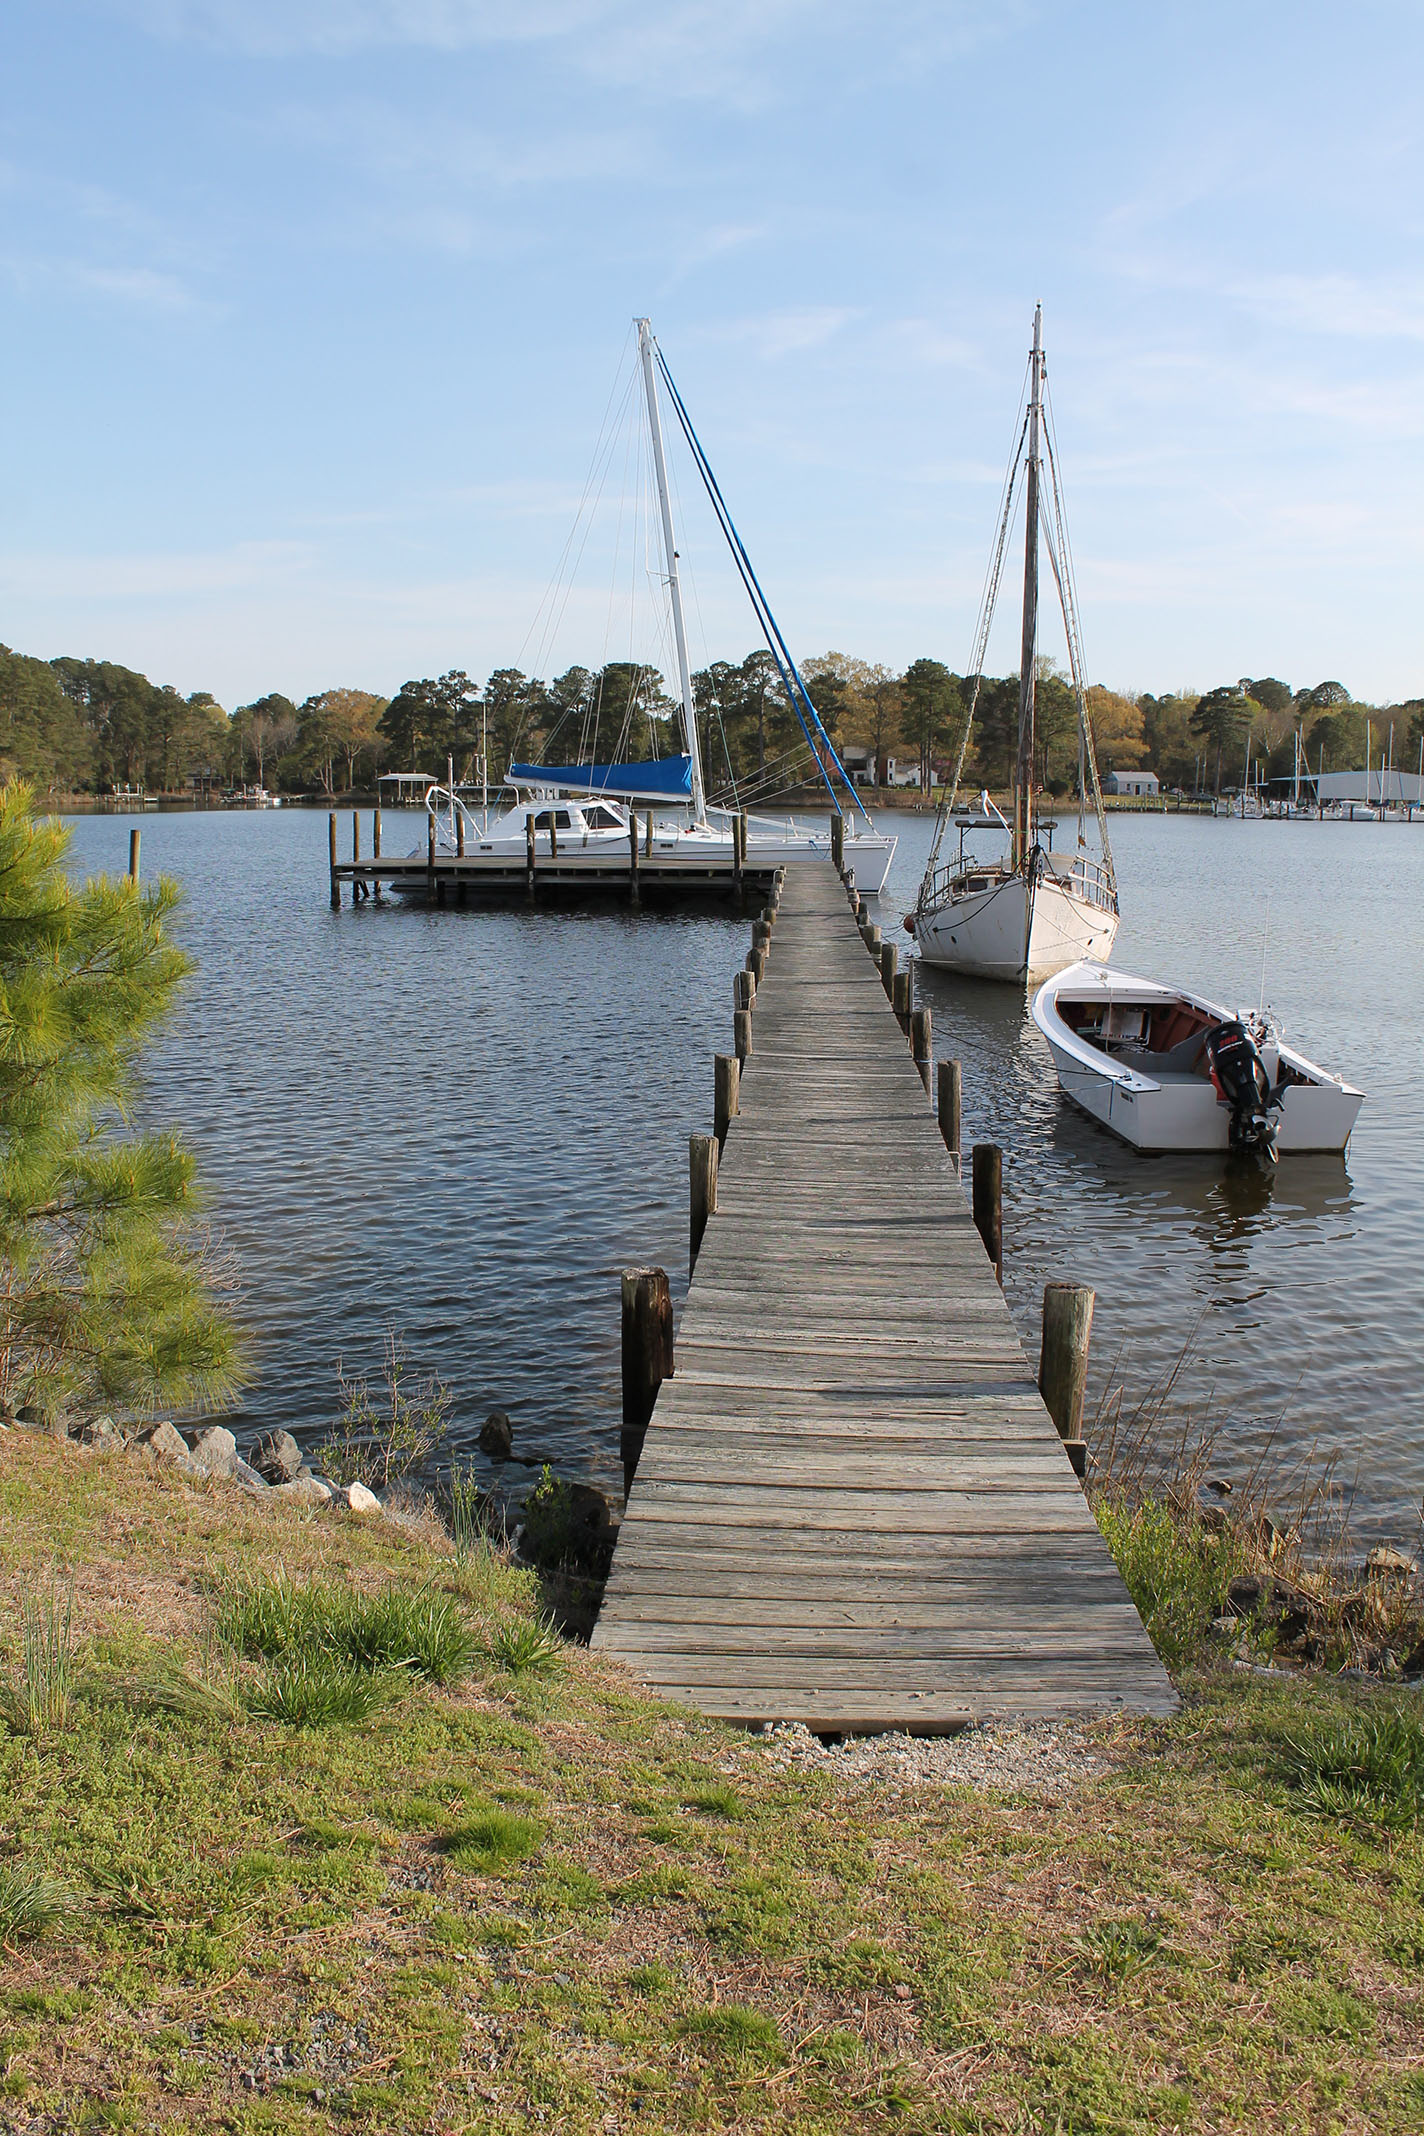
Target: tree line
(78, 725)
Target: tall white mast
(646, 348)
(1028, 650)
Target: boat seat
(1180, 1059)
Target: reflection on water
(464, 1123)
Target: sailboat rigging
(1040, 911)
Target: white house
(1131, 782)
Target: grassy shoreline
(530, 1898)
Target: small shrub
(495, 1839)
(1174, 1570)
(266, 1616)
(317, 1691)
(548, 1538)
(527, 1647)
(39, 1701)
(743, 2035)
(468, 1514)
(1365, 1768)
(30, 1903)
(381, 1437)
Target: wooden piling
(135, 840)
(889, 958)
(633, 854)
(742, 1033)
(921, 1044)
(872, 940)
(756, 965)
(529, 856)
(902, 996)
(376, 832)
(950, 1095)
(838, 842)
(647, 1355)
(988, 1178)
(743, 990)
(702, 1177)
(459, 828)
(331, 843)
(648, 846)
(1063, 1355)
(727, 1073)
(761, 934)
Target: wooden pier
(851, 1507)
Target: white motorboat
(1031, 913)
(1169, 1070)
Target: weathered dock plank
(852, 1508)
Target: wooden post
(761, 934)
(855, 904)
(702, 1175)
(331, 843)
(921, 1045)
(889, 958)
(742, 1033)
(633, 855)
(727, 1071)
(950, 1093)
(739, 845)
(756, 964)
(988, 1176)
(903, 995)
(1063, 1357)
(459, 828)
(135, 840)
(648, 846)
(553, 837)
(376, 831)
(838, 842)
(743, 990)
(529, 856)
(872, 940)
(647, 1355)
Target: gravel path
(1043, 1758)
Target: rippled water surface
(462, 1124)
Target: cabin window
(560, 817)
(601, 819)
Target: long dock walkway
(852, 1508)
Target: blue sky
(313, 309)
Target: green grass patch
(38, 1699)
(1360, 1768)
(716, 1799)
(496, 1839)
(1175, 1572)
(420, 1630)
(318, 1690)
(31, 1902)
(735, 2032)
(527, 1648)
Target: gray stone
(1386, 1563)
(277, 1457)
(214, 1450)
(162, 1443)
(303, 1491)
(239, 1472)
(98, 1431)
(497, 1436)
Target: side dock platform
(851, 1507)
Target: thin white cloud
(145, 289)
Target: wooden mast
(1028, 652)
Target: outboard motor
(1241, 1081)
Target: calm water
(463, 1124)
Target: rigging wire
(776, 644)
(1061, 557)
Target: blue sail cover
(659, 779)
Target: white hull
(1177, 1107)
(589, 837)
(1009, 930)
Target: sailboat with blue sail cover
(585, 814)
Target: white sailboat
(583, 815)
(1023, 917)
